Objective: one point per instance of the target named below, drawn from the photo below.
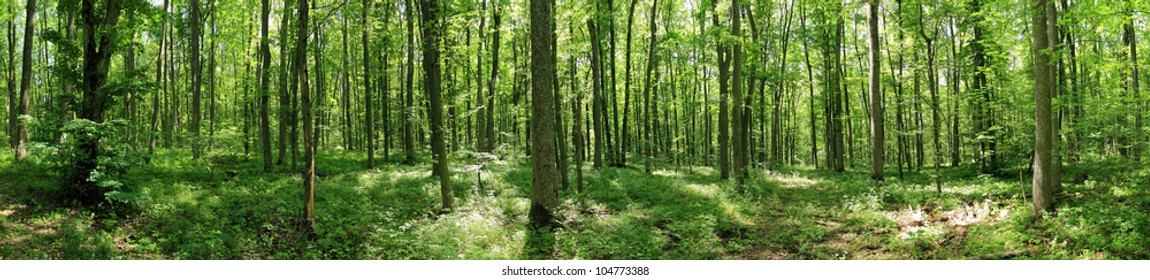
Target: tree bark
(544, 179)
(1043, 154)
(876, 116)
(25, 81)
(369, 121)
(597, 96)
(430, 24)
(409, 100)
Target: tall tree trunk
(935, 120)
(431, 28)
(369, 121)
(625, 135)
(811, 89)
(409, 100)
(1044, 159)
(490, 108)
(724, 115)
(647, 135)
(160, 77)
(576, 122)
(197, 71)
(597, 96)
(737, 125)
(95, 102)
(876, 115)
(25, 81)
(305, 100)
(265, 65)
(10, 77)
(1130, 38)
(543, 198)
(284, 99)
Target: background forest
(573, 129)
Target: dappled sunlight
(708, 190)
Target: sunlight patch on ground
(667, 173)
(480, 227)
(708, 190)
(792, 180)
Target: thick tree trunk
(95, 102)
(545, 173)
(1044, 160)
(431, 28)
(25, 81)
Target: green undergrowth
(226, 207)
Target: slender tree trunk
(305, 100)
(369, 122)
(876, 116)
(490, 108)
(284, 100)
(597, 96)
(648, 137)
(576, 121)
(409, 100)
(625, 135)
(724, 115)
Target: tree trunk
(369, 121)
(625, 135)
(1043, 154)
(430, 25)
(597, 96)
(25, 81)
(409, 100)
(724, 115)
(876, 116)
(543, 198)
(95, 102)
(648, 137)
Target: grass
(226, 207)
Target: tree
(25, 81)
(98, 50)
(265, 63)
(647, 135)
(369, 122)
(197, 72)
(738, 126)
(876, 115)
(597, 96)
(724, 116)
(409, 104)
(1044, 160)
(545, 173)
(302, 35)
(431, 27)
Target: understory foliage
(226, 207)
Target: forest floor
(226, 207)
